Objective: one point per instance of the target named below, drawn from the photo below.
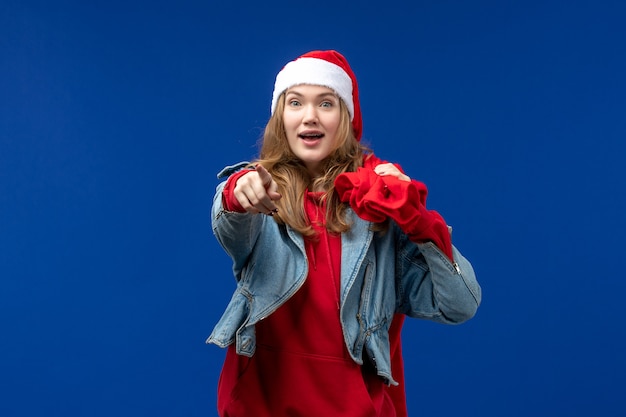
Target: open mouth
(311, 136)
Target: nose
(310, 115)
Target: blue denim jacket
(381, 274)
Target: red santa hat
(328, 69)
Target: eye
(294, 103)
(327, 104)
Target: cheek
(290, 120)
(290, 131)
(333, 123)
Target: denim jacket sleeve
(236, 232)
(431, 287)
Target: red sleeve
(229, 201)
(375, 198)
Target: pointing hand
(256, 191)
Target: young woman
(331, 247)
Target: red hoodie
(301, 365)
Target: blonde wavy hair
(293, 178)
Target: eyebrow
(318, 96)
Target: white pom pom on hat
(328, 69)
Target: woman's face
(311, 120)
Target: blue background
(116, 116)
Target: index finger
(265, 176)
